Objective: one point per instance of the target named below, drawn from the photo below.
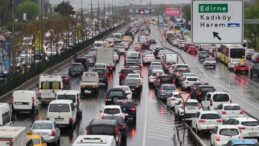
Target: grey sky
(86, 3)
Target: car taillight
(161, 91)
(242, 128)
(158, 82)
(33, 100)
(223, 112)
(211, 103)
(117, 134)
(241, 112)
(202, 121)
(217, 138)
(219, 120)
(53, 133)
(133, 109)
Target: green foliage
(29, 7)
(65, 9)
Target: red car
(186, 46)
(241, 68)
(192, 50)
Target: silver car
(48, 130)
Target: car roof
(230, 104)
(168, 85)
(67, 92)
(116, 88)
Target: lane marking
(146, 112)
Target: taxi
(35, 140)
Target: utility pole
(82, 21)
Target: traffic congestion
(134, 87)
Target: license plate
(21, 103)
(59, 119)
(88, 91)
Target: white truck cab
(94, 140)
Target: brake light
(223, 112)
(202, 121)
(219, 120)
(242, 128)
(33, 100)
(53, 133)
(133, 109)
(217, 138)
(241, 112)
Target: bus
(231, 54)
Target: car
(105, 127)
(173, 100)
(163, 79)
(182, 76)
(202, 55)
(66, 82)
(114, 95)
(191, 108)
(112, 111)
(206, 120)
(102, 75)
(214, 99)
(89, 83)
(127, 90)
(241, 68)
(98, 140)
(255, 58)
(229, 110)
(129, 108)
(154, 74)
(254, 70)
(90, 59)
(135, 76)
(223, 133)
(154, 63)
(165, 91)
(116, 57)
(124, 73)
(75, 69)
(188, 81)
(209, 62)
(83, 61)
(192, 50)
(199, 91)
(162, 53)
(134, 85)
(247, 125)
(48, 130)
(241, 142)
(148, 58)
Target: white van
(5, 115)
(48, 86)
(98, 44)
(73, 95)
(63, 112)
(94, 140)
(25, 101)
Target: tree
(5, 13)
(29, 7)
(65, 9)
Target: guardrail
(27, 79)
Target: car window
(59, 108)
(192, 104)
(67, 97)
(102, 130)
(126, 71)
(50, 85)
(169, 88)
(250, 123)
(99, 71)
(210, 116)
(229, 132)
(221, 97)
(220, 107)
(116, 93)
(111, 111)
(35, 141)
(42, 126)
(206, 89)
(236, 107)
(192, 79)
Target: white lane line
(146, 113)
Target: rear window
(210, 116)
(165, 78)
(76, 67)
(182, 67)
(126, 71)
(102, 130)
(112, 111)
(116, 93)
(221, 97)
(229, 132)
(207, 89)
(50, 85)
(169, 88)
(250, 123)
(42, 126)
(68, 97)
(236, 107)
(192, 79)
(59, 108)
(192, 104)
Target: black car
(102, 74)
(199, 91)
(254, 70)
(134, 85)
(76, 69)
(83, 61)
(114, 95)
(105, 127)
(123, 127)
(128, 107)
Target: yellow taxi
(35, 140)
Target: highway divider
(28, 78)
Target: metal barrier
(22, 79)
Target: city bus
(231, 54)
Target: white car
(127, 90)
(162, 53)
(148, 58)
(248, 126)
(113, 111)
(188, 81)
(135, 76)
(192, 107)
(206, 120)
(156, 64)
(209, 62)
(223, 133)
(173, 100)
(214, 99)
(229, 111)
(153, 76)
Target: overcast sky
(86, 3)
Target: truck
(168, 60)
(105, 55)
(13, 136)
(89, 83)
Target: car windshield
(59, 108)
(76, 67)
(98, 44)
(250, 123)
(182, 67)
(235, 107)
(229, 132)
(221, 97)
(116, 93)
(111, 111)
(210, 59)
(99, 71)
(169, 87)
(133, 76)
(68, 97)
(42, 125)
(210, 116)
(126, 71)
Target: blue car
(241, 142)
(164, 91)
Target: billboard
(172, 11)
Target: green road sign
(213, 8)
